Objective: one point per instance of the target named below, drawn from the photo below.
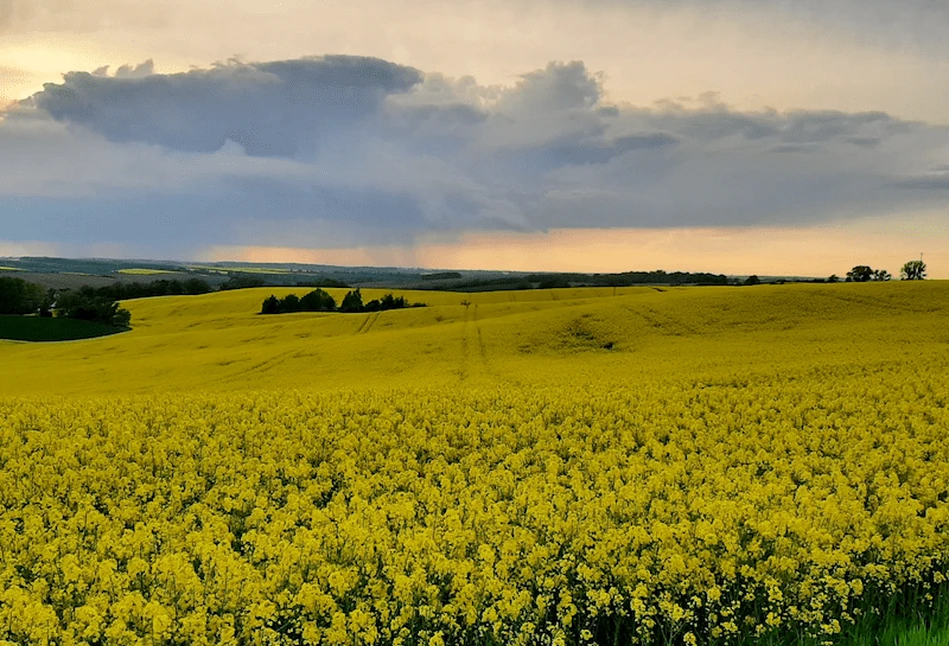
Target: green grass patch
(134, 271)
(2, 268)
(911, 620)
(35, 328)
(905, 619)
(241, 270)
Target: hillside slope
(583, 336)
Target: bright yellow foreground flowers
(425, 517)
(556, 499)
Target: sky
(734, 136)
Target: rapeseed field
(674, 466)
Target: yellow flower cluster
(673, 514)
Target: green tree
(318, 301)
(20, 297)
(880, 275)
(859, 274)
(290, 303)
(372, 306)
(913, 270)
(390, 302)
(352, 302)
(122, 317)
(833, 279)
(752, 280)
(270, 306)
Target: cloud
(268, 108)
(349, 151)
(933, 181)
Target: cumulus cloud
(268, 108)
(337, 150)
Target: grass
(147, 272)
(34, 328)
(903, 624)
(240, 270)
(906, 621)
(8, 268)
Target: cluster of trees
(100, 309)
(18, 296)
(321, 301)
(628, 279)
(125, 291)
(912, 270)
(316, 301)
(563, 280)
(864, 274)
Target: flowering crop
(680, 515)
(536, 488)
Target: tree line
(321, 301)
(912, 270)
(125, 291)
(19, 297)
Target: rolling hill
(584, 335)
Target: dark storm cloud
(268, 108)
(345, 151)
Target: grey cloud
(796, 128)
(342, 151)
(573, 151)
(268, 108)
(794, 148)
(929, 182)
(135, 71)
(558, 87)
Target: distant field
(716, 466)
(9, 269)
(243, 270)
(147, 272)
(33, 328)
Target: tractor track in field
(473, 351)
(367, 323)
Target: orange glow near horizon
(811, 251)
